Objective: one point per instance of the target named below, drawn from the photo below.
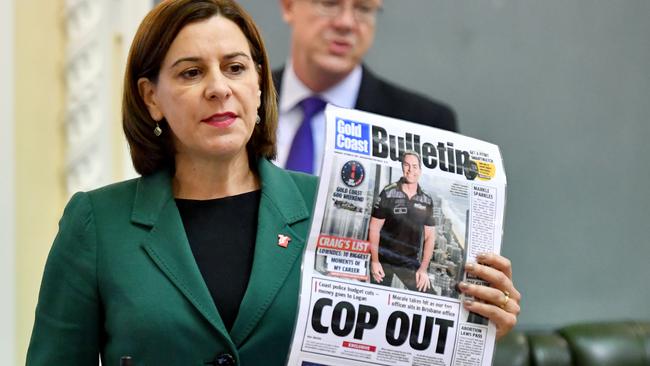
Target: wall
(563, 88)
(39, 191)
(35, 142)
(7, 182)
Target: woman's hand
(500, 301)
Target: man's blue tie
(301, 155)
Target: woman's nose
(217, 87)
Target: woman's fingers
(503, 320)
(496, 261)
(491, 296)
(495, 276)
(499, 301)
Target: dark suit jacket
(121, 280)
(382, 97)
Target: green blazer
(121, 279)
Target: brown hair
(155, 35)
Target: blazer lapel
(168, 247)
(366, 99)
(281, 206)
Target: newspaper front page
(401, 208)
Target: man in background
(329, 40)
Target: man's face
(330, 37)
(411, 169)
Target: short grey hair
(414, 153)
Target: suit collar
(367, 90)
(281, 206)
(152, 193)
(169, 249)
(343, 94)
(281, 191)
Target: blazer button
(224, 359)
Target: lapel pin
(283, 240)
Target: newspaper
(419, 201)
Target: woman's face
(207, 90)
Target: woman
(134, 269)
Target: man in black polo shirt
(401, 217)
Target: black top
(401, 234)
(221, 233)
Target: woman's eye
(191, 73)
(236, 69)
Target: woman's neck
(208, 179)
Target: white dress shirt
(293, 91)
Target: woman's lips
(220, 119)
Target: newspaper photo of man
(401, 223)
